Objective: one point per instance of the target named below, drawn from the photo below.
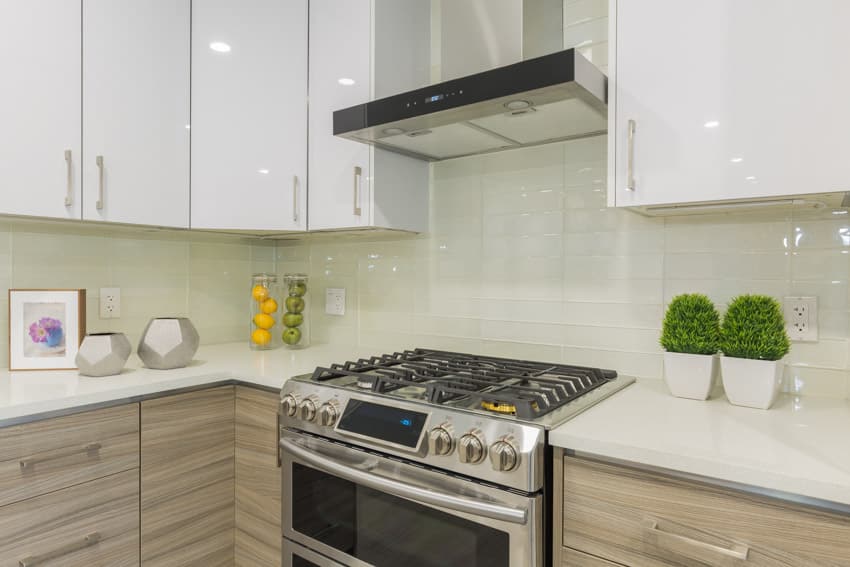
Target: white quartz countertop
(800, 447)
(30, 394)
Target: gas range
(480, 416)
(426, 458)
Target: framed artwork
(46, 327)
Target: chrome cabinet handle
(403, 490)
(29, 463)
(294, 198)
(99, 161)
(358, 178)
(630, 167)
(87, 541)
(69, 181)
(680, 544)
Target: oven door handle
(403, 490)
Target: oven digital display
(385, 423)
(434, 98)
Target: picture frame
(46, 327)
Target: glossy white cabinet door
(40, 125)
(730, 99)
(136, 111)
(249, 114)
(340, 63)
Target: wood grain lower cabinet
(44, 456)
(187, 479)
(258, 530)
(94, 523)
(638, 518)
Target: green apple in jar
(298, 289)
(294, 304)
(291, 336)
(293, 319)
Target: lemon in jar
(261, 337)
(264, 321)
(260, 293)
(268, 306)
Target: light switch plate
(801, 318)
(335, 301)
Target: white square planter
(690, 376)
(751, 383)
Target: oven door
(295, 555)
(364, 509)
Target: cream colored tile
(807, 381)
(522, 351)
(826, 353)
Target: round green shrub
(754, 327)
(691, 325)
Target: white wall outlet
(110, 302)
(801, 318)
(335, 301)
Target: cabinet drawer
(639, 518)
(48, 455)
(95, 523)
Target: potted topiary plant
(753, 340)
(690, 336)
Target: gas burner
(527, 390)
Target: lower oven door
(295, 555)
(363, 509)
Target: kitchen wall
(524, 260)
(160, 273)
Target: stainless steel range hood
(559, 96)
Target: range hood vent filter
(555, 97)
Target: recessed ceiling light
(345, 81)
(736, 159)
(220, 46)
(712, 124)
(392, 131)
(263, 171)
(750, 178)
(517, 104)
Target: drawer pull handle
(88, 541)
(28, 464)
(674, 542)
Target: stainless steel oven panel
(518, 515)
(291, 550)
(420, 450)
(527, 476)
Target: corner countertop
(800, 447)
(31, 395)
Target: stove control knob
(329, 413)
(504, 456)
(307, 410)
(471, 448)
(440, 441)
(289, 404)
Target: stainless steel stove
(425, 433)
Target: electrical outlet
(110, 303)
(801, 318)
(335, 301)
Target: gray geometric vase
(103, 354)
(168, 342)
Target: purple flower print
(46, 330)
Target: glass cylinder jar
(296, 332)
(265, 312)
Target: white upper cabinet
(249, 113)
(40, 126)
(728, 100)
(359, 50)
(136, 111)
